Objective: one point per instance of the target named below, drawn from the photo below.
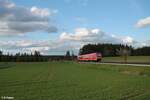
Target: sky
(55, 26)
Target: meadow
(136, 59)
(73, 81)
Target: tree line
(105, 49)
(112, 49)
(34, 57)
(21, 57)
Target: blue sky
(120, 18)
(117, 16)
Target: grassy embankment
(73, 81)
(139, 59)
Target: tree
(37, 55)
(105, 49)
(68, 55)
(72, 55)
(1, 54)
(124, 52)
(17, 56)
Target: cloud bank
(69, 41)
(96, 35)
(16, 19)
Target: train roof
(92, 53)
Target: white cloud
(44, 46)
(69, 41)
(16, 19)
(84, 35)
(81, 34)
(127, 40)
(43, 12)
(40, 12)
(143, 22)
(142, 44)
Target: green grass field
(139, 59)
(74, 81)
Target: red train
(90, 57)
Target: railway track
(118, 63)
